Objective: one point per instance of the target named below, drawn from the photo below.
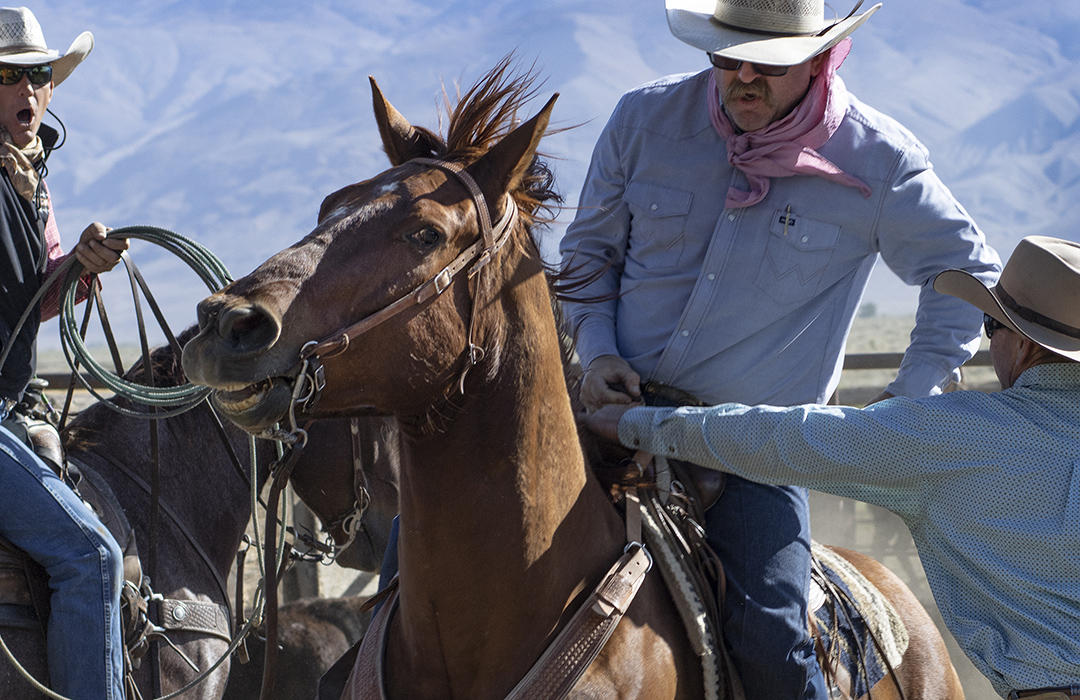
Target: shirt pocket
(796, 255)
(658, 226)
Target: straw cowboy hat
(22, 43)
(1037, 296)
(773, 32)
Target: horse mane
(476, 121)
(482, 116)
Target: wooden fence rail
(858, 361)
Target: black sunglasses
(37, 75)
(725, 63)
(990, 325)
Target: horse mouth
(257, 406)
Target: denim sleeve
(922, 231)
(863, 454)
(594, 248)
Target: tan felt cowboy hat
(1038, 294)
(773, 32)
(22, 43)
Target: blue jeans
(762, 535)
(389, 567)
(47, 520)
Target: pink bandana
(786, 147)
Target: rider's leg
(47, 520)
(762, 534)
(389, 567)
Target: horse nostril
(206, 312)
(248, 328)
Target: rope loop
(175, 399)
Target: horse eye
(427, 237)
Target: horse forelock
(484, 115)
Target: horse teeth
(252, 399)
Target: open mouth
(256, 406)
(24, 116)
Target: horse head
(415, 243)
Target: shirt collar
(1051, 374)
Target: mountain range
(229, 121)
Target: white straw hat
(1038, 294)
(772, 32)
(22, 43)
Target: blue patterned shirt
(988, 483)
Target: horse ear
(401, 140)
(502, 167)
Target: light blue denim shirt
(754, 304)
(988, 483)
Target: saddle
(859, 635)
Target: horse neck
(197, 482)
(501, 524)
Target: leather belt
(1067, 692)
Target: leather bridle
(310, 379)
(473, 258)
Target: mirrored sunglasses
(725, 63)
(37, 75)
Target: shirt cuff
(636, 426)
(922, 380)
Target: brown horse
(205, 474)
(503, 525)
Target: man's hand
(609, 379)
(96, 252)
(604, 421)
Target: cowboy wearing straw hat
(728, 224)
(987, 482)
(39, 513)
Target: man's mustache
(738, 89)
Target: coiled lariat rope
(179, 398)
(161, 402)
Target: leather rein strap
(492, 239)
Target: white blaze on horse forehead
(363, 210)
